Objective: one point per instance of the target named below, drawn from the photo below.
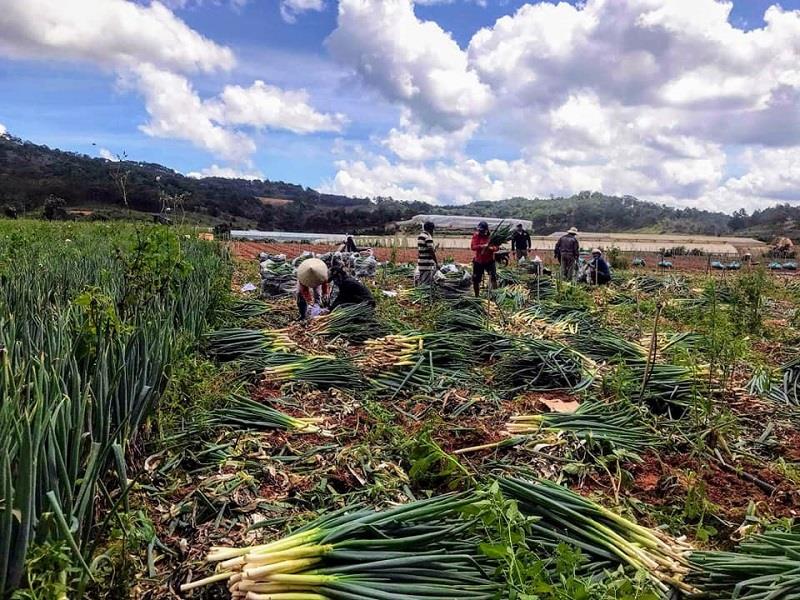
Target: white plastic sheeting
(461, 221)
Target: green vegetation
(547, 442)
(38, 181)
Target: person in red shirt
(484, 258)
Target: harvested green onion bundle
(466, 314)
(501, 234)
(566, 517)
(245, 308)
(320, 371)
(355, 322)
(542, 365)
(245, 413)
(233, 344)
(412, 551)
(437, 356)
(765, 567)
(618, 424)
(780, 385)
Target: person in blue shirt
(599, 273)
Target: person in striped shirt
(427, 263)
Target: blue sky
(405, 99)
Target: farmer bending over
(351, 290)
(484, 258)
(312, 285)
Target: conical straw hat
(312, 272)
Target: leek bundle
(780, 385)
(600, 533)
(765, 567)
(236, 343)
(408, 552)
(618, 425)
(437, 355)
(501, 234)
(241, 412)
(320, 371)
(354, 322)
(542, 365)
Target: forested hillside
(40, 181)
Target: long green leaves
(92, 320)
(765, 567)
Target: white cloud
(409, 142)
(177, 112)
(290, 9)
(262, 105)
(183, 4)
(773, 176)
(113, 33)
(642, 97)
(2, 129)
(411, 62)
(108, 155)
(226, 172)
(151, 49)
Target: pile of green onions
(566, 517)
(242, 412)
(236, 343)
(778, 385)
(542, 365)
(320, 371)
(500, 235)
(409, 552)
(618, 424)
(765, 567)
(354, 322)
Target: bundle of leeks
(765, 567)
(618, 424)
(566, 517)
(354, 322)
(236, 343)
(412, 551)
(242, 412)
(320, 371)
(535, 364)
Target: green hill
(43, 182)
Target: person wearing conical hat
(566, 252)
(312, 284)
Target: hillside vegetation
(39, 181)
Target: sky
(684, 102)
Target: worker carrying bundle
(566, 252)
(312, 285)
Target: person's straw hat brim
(573, 230)
(596, 251)
(312, 272)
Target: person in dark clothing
(351, 290)
(350, 245)
(484, 258)
(567, 250)
(520, 242)
(599, 273)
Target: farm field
(164, 436)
